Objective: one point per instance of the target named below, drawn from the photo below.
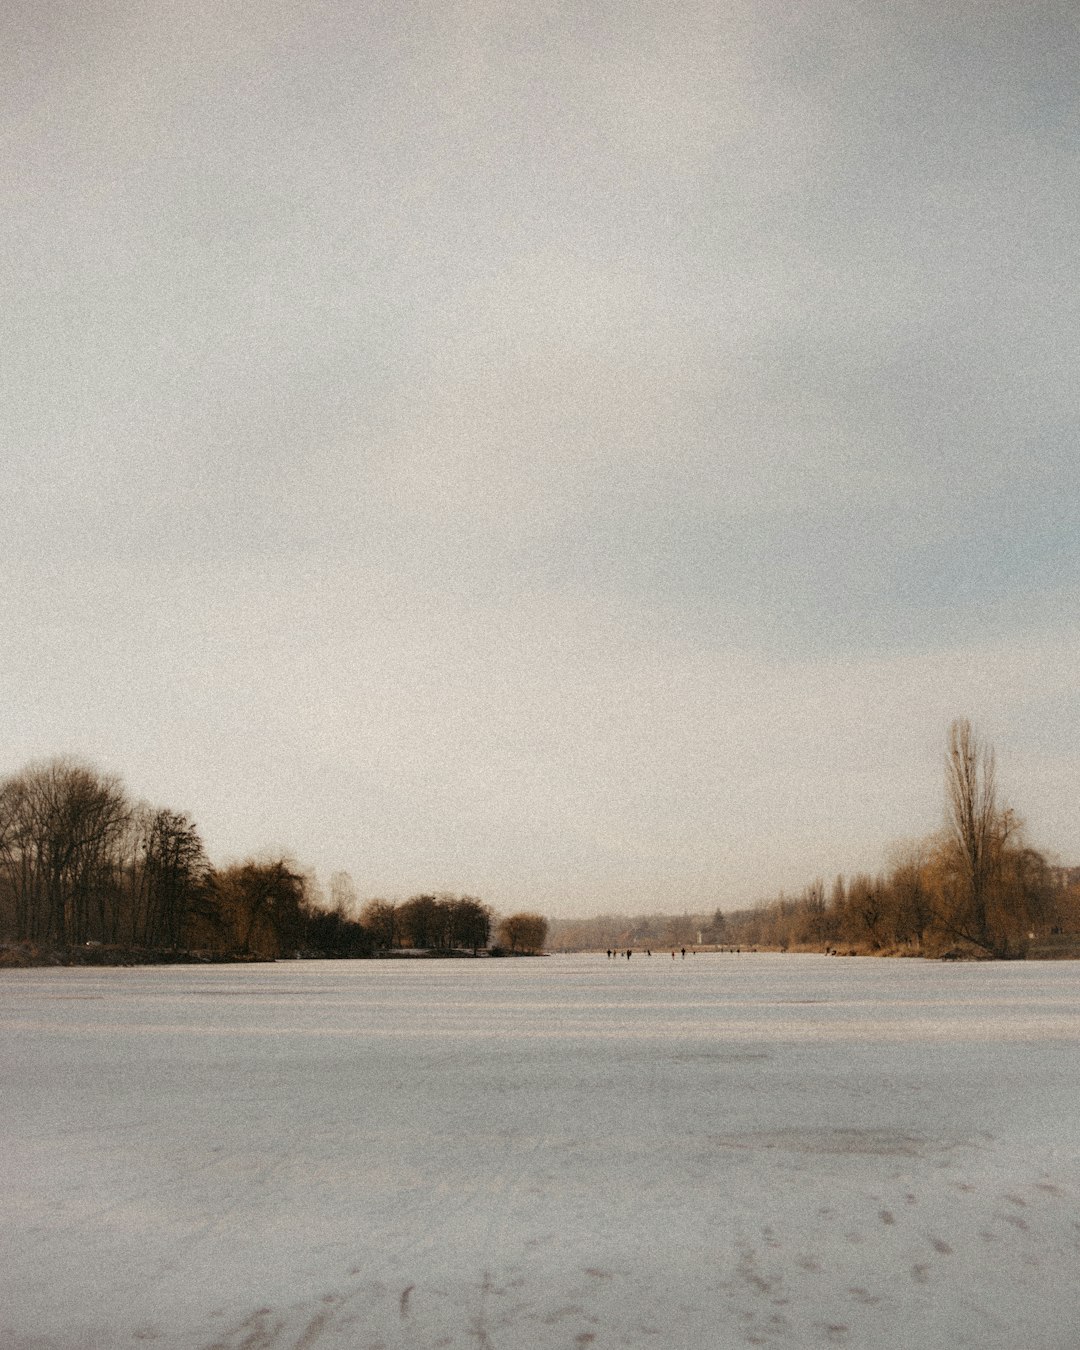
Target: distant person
(684, 953)
(628, 953)
(673, 955)
(609, 953)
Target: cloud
(563, 453)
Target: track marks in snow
(260, 1330)
(930, 1238)
(499, 1309)
(781, 1286)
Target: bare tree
(813, 913)
(261, 906)
(61, 830)
(972, 818)
(422, 922)
(469, 923)
(524, 932)
(343, 897)
(909, 894)
(867, 908)
(175, 866)
(977, 833)
(379, 917)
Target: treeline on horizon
(975, 888)
(84, 867)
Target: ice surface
(721, 1151)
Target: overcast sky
(577, 453)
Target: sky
(577, 454)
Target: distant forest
(90, 874)
(975, 888)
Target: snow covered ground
(721, 1151)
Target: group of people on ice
(614, 955)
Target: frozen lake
(516, 1155)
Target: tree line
(449, 923)
(975, 887)
(82, 865)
